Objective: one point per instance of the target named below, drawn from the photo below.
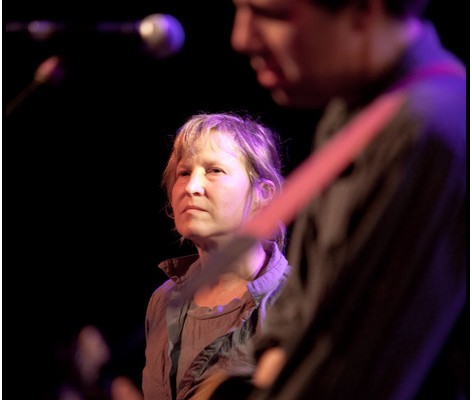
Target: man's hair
(257, 146)
(396, 8)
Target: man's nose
(243, 38)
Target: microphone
(49, 70)
(162, 34)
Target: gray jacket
(229, 353)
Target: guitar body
(224, 387)
(233, 388)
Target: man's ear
(364, 12)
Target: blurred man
(375, 307)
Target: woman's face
(211, 196)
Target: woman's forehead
(215, 140)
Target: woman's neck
(232, 284)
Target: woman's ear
(168, 210)
(264, 193)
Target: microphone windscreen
(163, 34)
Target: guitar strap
(317, 171)
(302, 186)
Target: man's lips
(266, 75)
(267, 78)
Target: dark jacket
(375, 308)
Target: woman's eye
(183, 173)
(215, 170)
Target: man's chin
(285, 98)
(280, 97)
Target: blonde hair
(258, 146)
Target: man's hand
(268, 367)
(123, 389)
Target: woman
(222, 170)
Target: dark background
(84, 216)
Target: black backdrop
(83, 208)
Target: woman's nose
(195, 184)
